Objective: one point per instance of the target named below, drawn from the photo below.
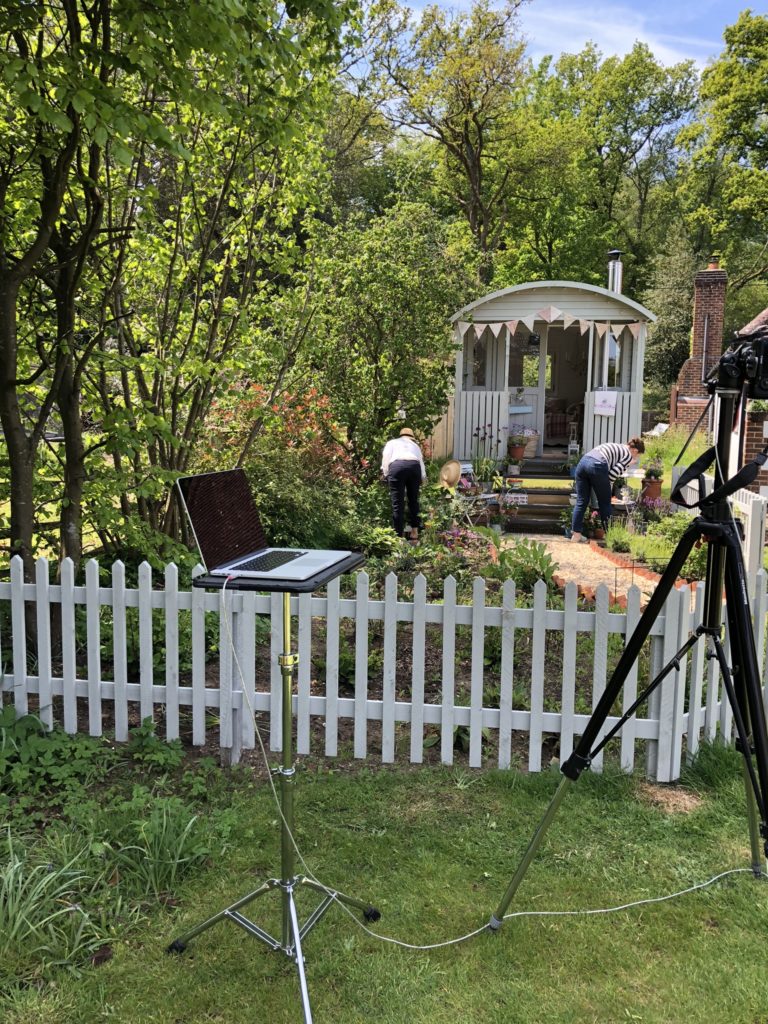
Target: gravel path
(585, 566)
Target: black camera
(747, 362)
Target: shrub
(525, 562)
(669, 531)
(618, 538)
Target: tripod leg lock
(575, 765)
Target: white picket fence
(86, 690)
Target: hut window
(609, 366)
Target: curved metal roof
(635, 307)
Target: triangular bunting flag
(511, 326)
(635, 329)
(495, 329)
(462, 327)
(600, 329)
(549, 314)
(529, 321)
(567, 320)
(584, 325)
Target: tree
(455, 77)
(84, 86)
(385, 291)
(726, 185)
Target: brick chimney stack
(690, 393)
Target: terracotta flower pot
(515, 452)
(651, 488)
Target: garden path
(583, 564)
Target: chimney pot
(714, 263)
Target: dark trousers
(591, 475)
(404, 478)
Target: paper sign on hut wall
(605, 403)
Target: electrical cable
(333, 893)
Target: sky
(674, 30)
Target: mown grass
(434, 849)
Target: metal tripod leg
(292, 932)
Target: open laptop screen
(223, 515)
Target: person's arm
(385, 459)
(423, 469)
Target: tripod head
(745, 362)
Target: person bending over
(596, 472)
(402, 466)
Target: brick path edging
(623, 563)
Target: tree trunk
(20, 452)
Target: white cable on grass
(334, 894)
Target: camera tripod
(725, 567)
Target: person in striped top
(596, 472)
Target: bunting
(550, 314)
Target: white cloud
(556, 27)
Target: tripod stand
(725, 565)
(292, 932)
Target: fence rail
(107, 656)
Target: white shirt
(401, 449)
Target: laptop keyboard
(271, 560)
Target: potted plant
(519, 438)
(566, 518)
(653, 471)
(571, 463)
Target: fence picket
(68, 646)
(171, 595)
(476, 678)
(417, 672)
(506, 673)
(600, 663)
(332, 670)
(679, 678)
(568, 700)
(247, 659)
(146, 643)
(667, 689)
(448, 695)
(119, 652)
(538, 657)
(198, 666)
(43, 597)
(304, 685)
(19, 638)
(93, 630)
(696, 684)
(226, 670)
(361, 665)
(275, 675)
(389, 670)
(629, 730)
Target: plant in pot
(565, 520)
(653, 471)
(571, 463)
(517, 441)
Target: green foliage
(385, 290)
(524, 561)
(42, 768)
(146, 748)
(157, 842)
(43, 925)
(617, 537)
(668, 531)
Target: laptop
(229, 535)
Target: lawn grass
(434, 849)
